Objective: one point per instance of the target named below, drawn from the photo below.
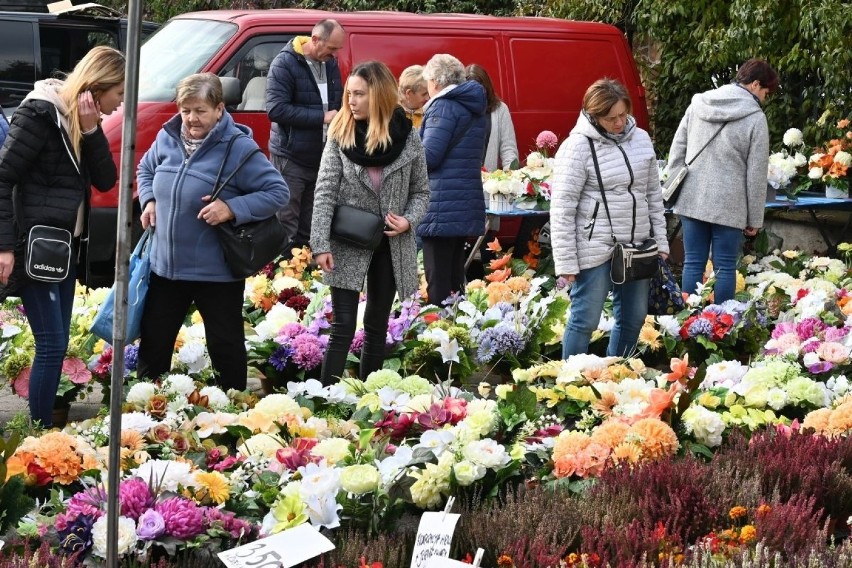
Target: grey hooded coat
(404, 191)
(726, 184)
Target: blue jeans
(726, 242)
(630, 307)
(48, 309)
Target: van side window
(17, 63)
(251, 67)
(62, 48)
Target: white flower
(724, 374)
(815, 172)
(140, 393)
(793, 137)
(193, 354)
(320, 480)
(466, 472)
(535, 160)
(209, 423)
(332, 449)
(216, 397)
(277, 404)
(166, 474)
(392, 399)
(309, 389)
(274, 321)
(323, 511)
(800, 160)
(261, 444)
(776, 399)
(487, 453)
(843, 158)
(390, 466)
(282, 283)
(436, 440)
(359, 478)
(136, 421)
(706, 425)
(126, 536)
(179, 384)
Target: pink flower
(789, 342)
(135, 497)
(546, 140)
(76, 371)
(833, 352)
(457, 408)
(184, 519)
(21, 384)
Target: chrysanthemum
(184, 519)
(626, 452)
(611, 433)
(817, 420)
(657, 438)
(518, 284)
(135, 497)
(840, 421)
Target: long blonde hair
(382, 92)
(100, 70)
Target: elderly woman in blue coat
(453, 135)
(176, 178)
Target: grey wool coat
(726, 184)
(404, 191)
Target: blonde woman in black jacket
(54, 152)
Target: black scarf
(399, 127)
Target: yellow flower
(650, 336)
(740, 282)
(212, 485)
(196, 317)
(550, 397)
(737, 512)
(748, 534)
(289, 511)
(584, 394)
(709, 400)
(99, 347)
(791, 254)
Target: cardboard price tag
(434, 537)
(285, 549)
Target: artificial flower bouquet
(788, 166)
(537, 172)
(727, 331)
(830, 162)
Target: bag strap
(600, 186)
(689, 163)
(218, 185)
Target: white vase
(499, 202)
(835, 192)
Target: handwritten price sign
(286, 549)
(434, 537)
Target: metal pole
(122, 254)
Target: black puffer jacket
(37, 156)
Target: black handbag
(356, 227)
(250, 246)
(629, 261)
(48, 253)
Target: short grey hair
(201, 86)
(444, 70)
(324, 28)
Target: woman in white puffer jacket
(581, 233)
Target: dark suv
(35, 45)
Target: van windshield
(178, 49)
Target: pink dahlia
(135, 497)
(184, 519)
(546, 140)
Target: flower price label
(434, 536)
(287, 548)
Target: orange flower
(494, 246)
(841, 124)
(606, 403)
(659, 401)
(531, 260)
(748, 534)
(505, 561)
(737, 512)
(499, 275)
(500, 262)
(658, 440)
(763, 509)
(534, 247)
(611, 433)
(518, 284)
(681, 371)
(837, 170)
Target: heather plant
(797, 464)
(627, 546)
(529, 524)
(760, 556)
(356, 548)
(792, 527)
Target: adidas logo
(47, 268)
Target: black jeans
(443, 262)
(381, 289)
(221, 308)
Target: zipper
(630, 191)
(175, 191)
(591, 224)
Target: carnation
(382, 378)
(126, 536)
(803, 390)
(415, 385)
(140, 393)
(359, 479)
(705, 425)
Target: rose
(332, 449)
(160, 432)
(466, 472)
(127, 538)
(151, 525)
(157, 406)
(359, 479)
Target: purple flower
(290, 331)
(783, 328)
(700, 326)
(357, 341)
(836, 334)
(821, 367)
(229, 522)
(183, 518)
(135, 497)
(76, 537)
(131, 356)
(151, 525)
(810, 346)
(280, 356)
(308, 351)
(502, 339)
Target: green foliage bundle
(686, 46)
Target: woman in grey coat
(723, 196)
(374, 161)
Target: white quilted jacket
(581, 235)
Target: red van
(540, 67)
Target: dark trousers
(221, 308)
(48, 309)
(443, 261)
(381, 289)
(296, 215)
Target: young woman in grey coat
(374, 161)
(723, 196)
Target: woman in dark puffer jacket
(54, 152)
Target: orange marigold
(505, 561)
(763, 509)
(737, 512)
(748, 534)
(657, 438)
